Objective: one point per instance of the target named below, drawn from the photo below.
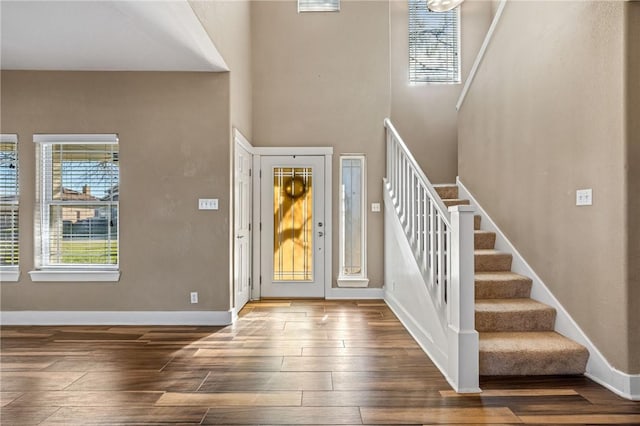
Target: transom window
(78, 194)
(318, 5)
(434, 44)
(9, 208)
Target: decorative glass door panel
(293, 224)
(292, 216)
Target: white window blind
(318, 5)
(434, 44)
(79, 178)
(9, 231)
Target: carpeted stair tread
(489, 260)
(513, 315)
(530, 353)
(447, 190)
(502, 285)
(484, 239)
(516, 332)
(455, 202)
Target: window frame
(458, 53)
(11, 273)
(361, 279)
(67, 272)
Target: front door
(242, 226)
(293, 226)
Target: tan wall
(228, 23)
(322, 79)
(425, 114)
(174, 148)
(633, 188)
(545, 117)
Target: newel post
(463, 368)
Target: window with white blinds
(434, 44)
(79, 177)
(9, 208)
(318, 5)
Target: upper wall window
(78, 201)
(318, 5)
(9, 244)
(434, 44)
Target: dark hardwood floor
(283, 362)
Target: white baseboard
(598, 368)
(205, 318)
(354, 293)
(623, 384)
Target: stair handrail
(442, 242)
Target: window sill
(9, 275)
(352, 282)
(76, 276)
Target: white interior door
(242, 226)
(293, 226)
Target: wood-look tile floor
(283, 362)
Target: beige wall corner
(425, 114)
(633, 181)
(173, 130)
(545, 117)
(322, 79)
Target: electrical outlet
(584, 197)
(208, 204)
(375, 207)
(194, 297)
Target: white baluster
(440, 261)
(425, 230)
(432, 243)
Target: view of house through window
(9, 247)
(79, 200)
(434, 44)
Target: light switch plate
(208, 204)
(375, 207)
(584, 197)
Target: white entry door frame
(259, 152)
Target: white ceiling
(123, 35)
